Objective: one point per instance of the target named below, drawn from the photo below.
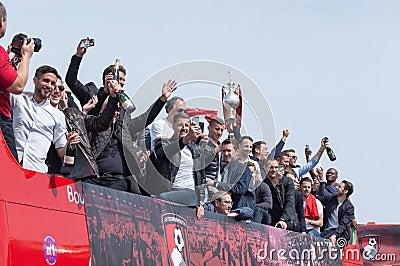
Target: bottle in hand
(70, 153)
(329, 151)
(124, 100)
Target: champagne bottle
(330, 152)
(124, 100)
(70, 153)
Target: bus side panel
(41, 236)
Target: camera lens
(38, 44)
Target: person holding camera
(11, 80)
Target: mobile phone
(87, 43)
(196, 120)
(281, 167)
(201, 125)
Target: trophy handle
(239, 109)
(238, 116)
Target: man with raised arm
(11, 81)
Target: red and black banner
(127, 229)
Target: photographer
(11, 81)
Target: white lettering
(74, 196)
(50, 251)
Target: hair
(250, 163)
(242, 138)
(110, 69)
(226, 142)
(349, 187)
(217, 120)
(305, 179)
(3, 12)
(257, 145)
(284, 153)
(181, 115)
(287, 151)
(171, 103)
(234, 143)
(289, 170)
(218, 195)
(40, 71)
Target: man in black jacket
(283, 212)
(215, 131)
(113, 148)
(338, 211)
(180, 160)
(85, 92)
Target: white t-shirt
(160, 128)
(333, 220)
(184, 177)
(320, 214)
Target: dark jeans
(186, 197)
(115, 182)
(6, 126)
(261, 216)
(327, 233)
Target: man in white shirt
(180, 160)
(313, 209)
(37, 124)
(163, 127)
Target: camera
(87, 43)
(18, 41)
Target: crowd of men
(171, 158)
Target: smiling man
(37, 124)
(181, 162)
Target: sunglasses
(60, 87)
(181, 110)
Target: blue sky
(326, 68)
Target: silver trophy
(231, 101)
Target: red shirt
(7, 77)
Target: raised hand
(80, 51)
(90, 104)
(285, 134)
(107, 80)
(168, 88)
(115, 88)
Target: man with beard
(37, 123)
(338, 211)
(313, 210)
(181, 162)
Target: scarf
(311, 210)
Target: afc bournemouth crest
(176, 237)
(370, 245)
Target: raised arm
(276, 151)
(18, 85)
(81, 91)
